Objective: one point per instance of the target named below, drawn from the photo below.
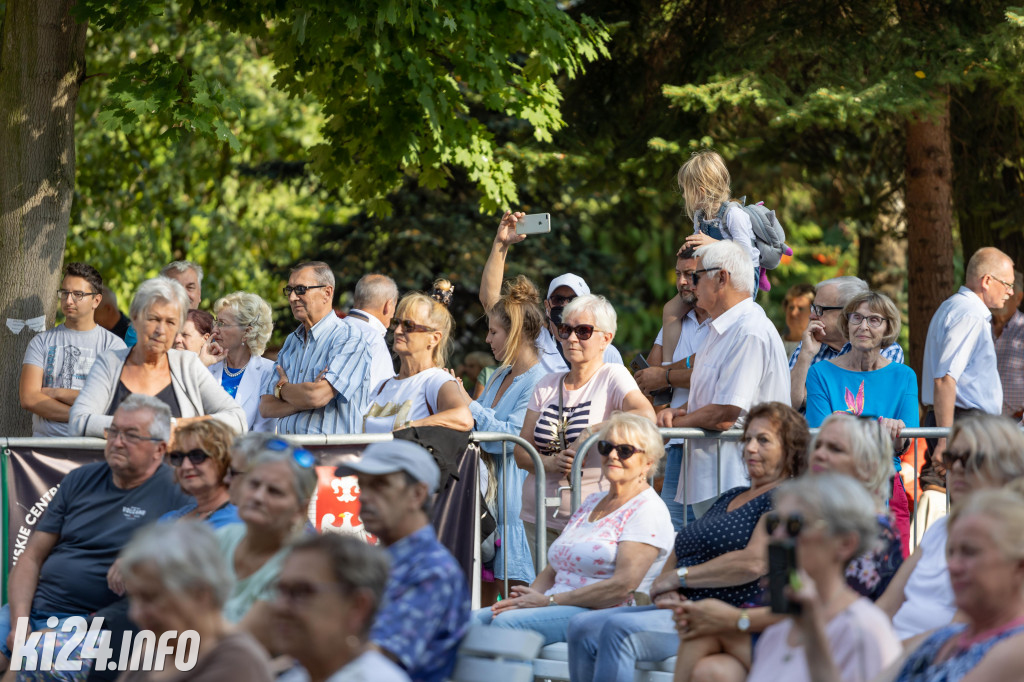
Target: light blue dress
(507, 417)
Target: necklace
(233, 373)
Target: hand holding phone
(781, 569)
(534, 223)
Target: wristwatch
(682, 573)
(551, 601)
(743, 624)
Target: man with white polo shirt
(675, 371)
(561, 290)
(742, 363)
(373, 306)
(960, 372)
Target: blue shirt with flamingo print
(887, 392)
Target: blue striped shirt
(893, 353)
(334, 345)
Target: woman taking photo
(721, 556)
(566, 409)
(272, 504)
(241, 332)
(514, 323)
(152, 367)
(423, 393)
(612, 546)
(830, 519)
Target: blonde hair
(253, 314)
(214, 437)
(1004, 509)
(996, 446)
(877, 303)
(704, 181)
(518, 312)
(871, 449)
(438, 315)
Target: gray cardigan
(198, 393)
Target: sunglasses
(196, 456)
(951, 457)
(695, 275)
(303, 457)
(559, 301)
(301, 289)
(582, 331)
(408, 326)
(819, 310)
(792, 524)
(623, 451)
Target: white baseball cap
(574, 282)
(397, 455)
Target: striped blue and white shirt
(893, 353)
(333, 345)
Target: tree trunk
(929, 222)
(42, 62)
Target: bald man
(960, 372)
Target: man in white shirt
(561, 290)
(674, 372)
(742, 363)
(960, 372)
(373, 306)
(58, 360)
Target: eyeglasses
(560, 301)
(1008, 285)
(408, 326)
(793, 524)
(111, 433)
(77, 295)
(301, 289)
(582, 331)
(197, 456)
(232, 473)
(219, 324)
(303, 457)
(623, 450)
(301, 593)
(697, 273)
(819, 310)
(874, 321)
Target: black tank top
(166, 395)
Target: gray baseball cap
(394, 456)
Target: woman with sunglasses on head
(985, 451)
(720, 556)
(423, 393)
(272, 503)
(829, 519)
(715, 642)
(240, 336)
(864, 382)
(201, 459)
(611, 547)
(566, 409)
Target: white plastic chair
(496, 654)
(552, 663)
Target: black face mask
(556, 314)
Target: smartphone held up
(534, 223)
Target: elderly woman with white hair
(241, 331)
(152, 367)
(567, 408)
(177, 581)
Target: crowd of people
(197, 517)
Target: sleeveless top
(166, 395)
(921, 665)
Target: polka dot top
(717, 532)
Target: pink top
(861, 637)
(586, 551)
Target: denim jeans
(551, 622)
(673, 466)
(36, 619)
(605, 645)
